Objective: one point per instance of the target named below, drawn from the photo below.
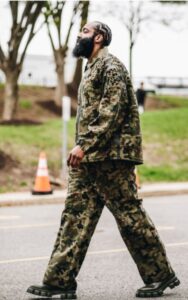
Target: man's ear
(99, 38)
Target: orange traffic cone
(42, 182)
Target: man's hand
(75, 157)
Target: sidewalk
(148, 190)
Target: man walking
(101, 172)
(141, 97)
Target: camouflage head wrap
(105, 31)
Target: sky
(159, 50)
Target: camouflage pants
(93, 185)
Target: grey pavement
(58, 196)
(27, 234)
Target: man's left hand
(75, 157)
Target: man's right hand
(75, 157)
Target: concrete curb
(26, 198)
(163, 189)
(58, 197)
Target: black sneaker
(50, 291)
(156, 289)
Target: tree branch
(75, 10)
(50, 36)
(57, 17)
(48, 13)
(19, 30)
(138, 21)
(14, 11)
(2, 55)
(84, 13)
(32, 33)
(27, 11)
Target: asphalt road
(27, 235)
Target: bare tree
(133, 25)
(135, 14)
(53, 18)
(131, 14)
(78, 70)
(23, 28)
(174, 14)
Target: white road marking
(9, 261)
(89, 253)
(165, 228)
(107, 251)
(177, 244)
(56, 224)
(28, 225)
(9, 217)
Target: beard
(84, 47)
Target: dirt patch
(36, 104)
(18, 167)
(51, 106)
(17, 122)
(153, 103)
(28, 111)
(7, 162)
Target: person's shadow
(44, 298)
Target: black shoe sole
(63, 295)
(68, 296)
(171, 283)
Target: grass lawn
(23, 144)
(165, 143)
(176, 101)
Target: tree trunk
(130, 60)
(78, 70)
(77, 77)
(11, 95)
(61, 88)
(130, 52)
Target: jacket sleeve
(110, 115)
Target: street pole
(66, 113)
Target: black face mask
(84, 47)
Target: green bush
(26, 104)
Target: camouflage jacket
(107, 125)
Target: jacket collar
(101, 53)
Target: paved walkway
(27, 235)
(58, 196)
